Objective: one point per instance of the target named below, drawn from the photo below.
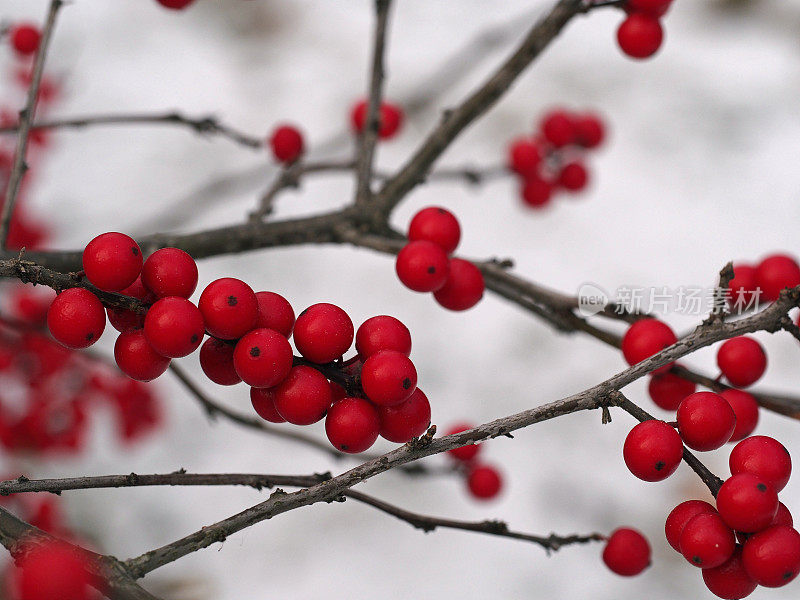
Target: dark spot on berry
(90, 336)
(232, 301)
(406, 383)
(660, 465)
(441, 211)
(431, 269)
(697, 560)
(761, 487)
(343, 447)
(135, 251)
(255, 351)
(194, 339)
(304, 312)
(788, 575)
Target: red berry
(627, 552)
(705, 421)
(323, 332)
(682, 514)
(388, 378)
(763, 456)
(742, 360)
(25, 39)
(352, 425)
(390, 119)
(170, 272)
(772, 557)
(76, 318)
(730, 581)
(645, 338)
(747, 502)
(304, 396)
(175, 4)
(136, 358)
(706, 541)
(558, 128)
(524, 157)
(437, 225)
(275, 312)
(652, 450)
(263, 358)
(640, 35)
(382, 333)
(112, 261)
(422, 266)
(122, 319)
(54, 570)
(286, 143)
(463, 288)
(337, 391)
(463, 453)
(745, 407)
(174, 327)
(406, 420)
(263, 401)
(589, 130)
(216, 360)
(783, 516)
(655, 8)
(775, 273)
(483, 482)
(573, 177)
(742, 286)
(535, 191)
(229, 308)
(667, 390)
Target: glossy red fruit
(76, 318)
(776, 272)
(323, 332)
(484, 482)
(175, 4)
(463, 288)
(229, 308)
(286, 143)
(742, 360)
(438, 225)
(772, 557)
(337, 391)
(627, 552)
(705, 421)
(558, 128)
(680, 515)
(304, 396)
(263, 401)
(112, 261)
(589, 130)
(706, 541)
(573, 177)
(390, 119)
(174, 327)
(652, 450)
(409, 419)
(645, 338)
(263, 358)
(747, 502)
(422, 266)
(763, 456)
(524, 157)
(136, 358)
(730, 580)
(667, 390)
(640, 35)
(352, 425)
(783, 516)
(535, 191)
(122, 319)
(53, 571)
(656, 8)
(742, 287)
(170, 272)
(275, 312)
(216, 360)
(382, 333)
(25, 39)
(388, 378)
(464, 453)
(745, 407)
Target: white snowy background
(700, 168)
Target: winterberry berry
(170, 272)
(524, 157)
(275, 312)
(667, 390)
(640, 35)
(463, 453)
(136, 357)
(323, 332)
(747, 502)
(390, 119)
(175, 4)
(352, 425)
(229, 308)
(112, 261)
(382, 333)
(706, 541)
(783, 516)
(174, 327)
(76, 318)
(772, 557)
(776, 272)
(463, 287)
(123, 319)
(437, 225)
(589, 130)
(652, 450)
(286, 143)
(422, 266)
(742, 287)
(535, 191)
(742, 360)
(705, 421)
(54, 570)
(409, 419)
(745, 407)
(216, 360)
(558, 128)
(337, 391)
(263, 358)
(304, 396)
(679, 516)
(655, 8)
(730, 580)
(25, 39)
(484, 482)
(627, 552)
(645, 338)
(388, 378)
(263, 401)
(573, 177)
(763, 456)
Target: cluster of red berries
(484, 482)
(551, 160)
(425, 263)
(762, 282)
(640, 35)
